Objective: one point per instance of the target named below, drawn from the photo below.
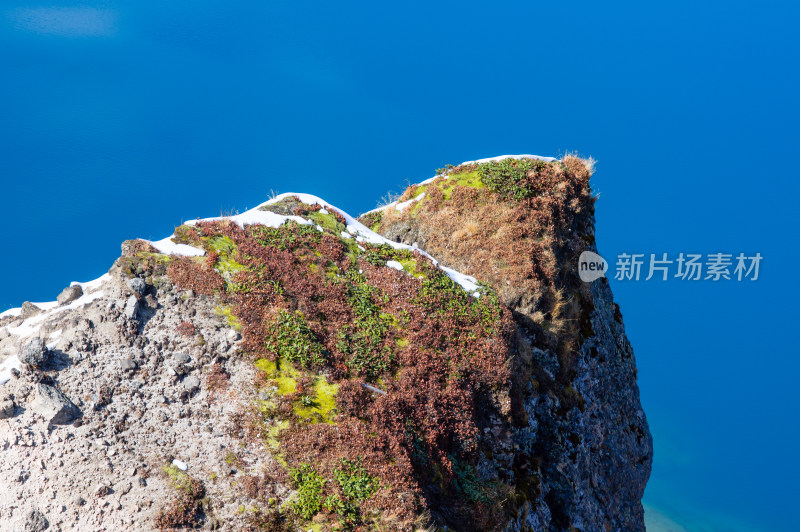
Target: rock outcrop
(288, 368)
(585, 447)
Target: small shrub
(217, 379)
(309, 486)
(291, 338)
(186, 329)
(185, 510)
(198, 276)
(513, 178)
(372, 219)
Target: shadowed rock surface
(585, 449)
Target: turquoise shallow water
(122, 119)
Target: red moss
(199, 277)
(449, 369)
(185, 328)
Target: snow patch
(168, 247)
(517, 157)
(403, 205)
(364, 234)
(394, 264)
(14, 312)
(256, 217)
(32, 324)
(91, 285)
(9, 364)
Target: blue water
(121, 119)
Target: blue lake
(122, 119)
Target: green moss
(327, 221)
(221, 245)
(273, 440)
(372, 219)
(282, 372)
(471, 179)
(410, 265)
(464, 179)
(186, 234)
(230, 317)
(227, 267)
(380, 253)
(177, 478)
(320, 407)
(290, 235)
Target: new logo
(591, 266)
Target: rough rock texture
(54, 406)
(105, 471)
(29, 309)
(34, 353)
(584, 447)
(69, 294)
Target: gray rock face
(34, 353)
(28, 309)
(587, 450)
(6, 408)
(35, 521)
(181, 358)
(137, 285)
(127, 364)
(132, 308)
(54, 406)
(180, 364)
(191, 383)
(69, 294)
(596, 471)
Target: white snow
(403, 205)
(364, 234)
(256, 216)
(168, 247)
(91, 285)
(11, 312)
(49, 305)
(6, 366)
(249, 217)
(501, 157)
(394, 264)
(31, 325)
(16, 312)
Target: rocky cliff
(439, 366)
